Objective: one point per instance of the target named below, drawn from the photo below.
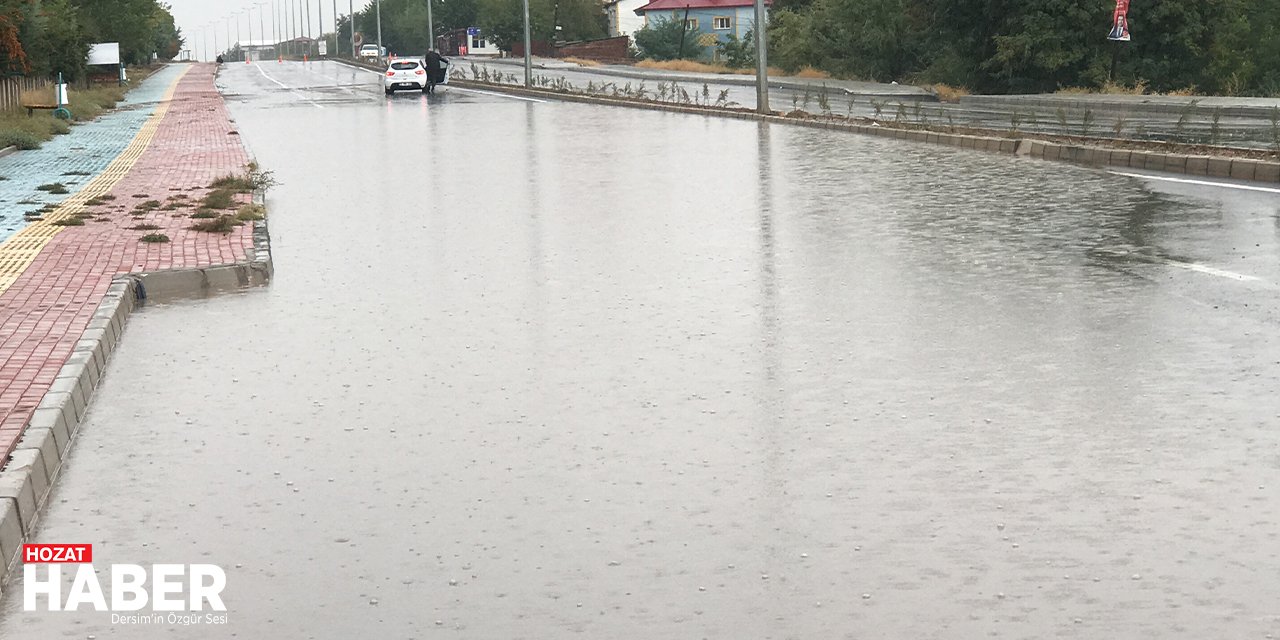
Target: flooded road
(544, 370)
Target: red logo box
(57, 553)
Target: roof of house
(676, 5)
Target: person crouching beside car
(436, 68)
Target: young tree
(661, 39)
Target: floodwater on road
(544, 370)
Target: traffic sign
(473, 31)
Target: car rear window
(402, 66)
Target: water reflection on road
(541, 370)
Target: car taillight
(390, 74)
(420, 72)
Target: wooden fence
(11, 91)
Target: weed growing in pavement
(951, 123)
(1086, 121)
(723, 99)
(145, 227)
(235, 183)
(824, 101)
(1275, 128)
(77, 173)
(1215, 126)
(69, 222)
(53, 187)
(1062, 119)
(106, 198)
(84, 214)
(901, 113)
(204, 213)
(3, 178)
(150, 204)
(142, 195)
(1118, 127)
(1015, 121)
(221, 224)
(641, 92)
(29, 201)
(251, 211)
(1184, 117)
(154, 237)
(219, 199)
(171, 206)
(848, 111)
(804, 101)
(878, 108)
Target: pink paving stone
(46, 310)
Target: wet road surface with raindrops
(544, 370)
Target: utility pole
(335, 28)
(239, 49)
(262, 31)
(528, 55)
(431, 29)
(762, 60)
(351, 7)
(249, 14)
(306, 4)
(378, 4)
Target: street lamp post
(262, 30)
(762, 61)
(378, 4)
(528, 57)
(351, 7)
(431, 29)
(306, 5)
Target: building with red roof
(710, 21)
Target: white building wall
(623, 20)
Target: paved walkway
(53, 277)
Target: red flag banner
(1120, 22)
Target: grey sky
(205, 23)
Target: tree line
(47, 37)
(1229, 47)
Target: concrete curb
(8, 151)
(1208, 166)
(28, 476)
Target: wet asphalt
(547, 370)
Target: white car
(370, 51)
(405, 73)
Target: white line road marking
(494, 93)
(1199, 268)
(290, 89)
(1204, 183)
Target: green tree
(661, 39)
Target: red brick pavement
(45, 311)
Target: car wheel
(389, 91)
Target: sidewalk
(174, 140)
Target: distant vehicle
(405, 73)
(370, 51)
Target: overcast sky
(200, 20)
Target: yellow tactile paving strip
(20, 250)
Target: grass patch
(948, 93)
(172, 206)
(702, 67)
(243, 184)
(145, 227)
(204, 213)
(106, 198)
(154, 237)
(93, 202)
(53, 187)
(221, 224)
(69, 222)
(807, 72)
(219, 199)
(251, 211)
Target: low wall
(1194, 165)
(617, 49)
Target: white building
(622, 17)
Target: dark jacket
(435, 65)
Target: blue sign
(473, 31)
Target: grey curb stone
(45, 443)
(1220, 167)
(10, 532)
(1243, 169)
(16, 485)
